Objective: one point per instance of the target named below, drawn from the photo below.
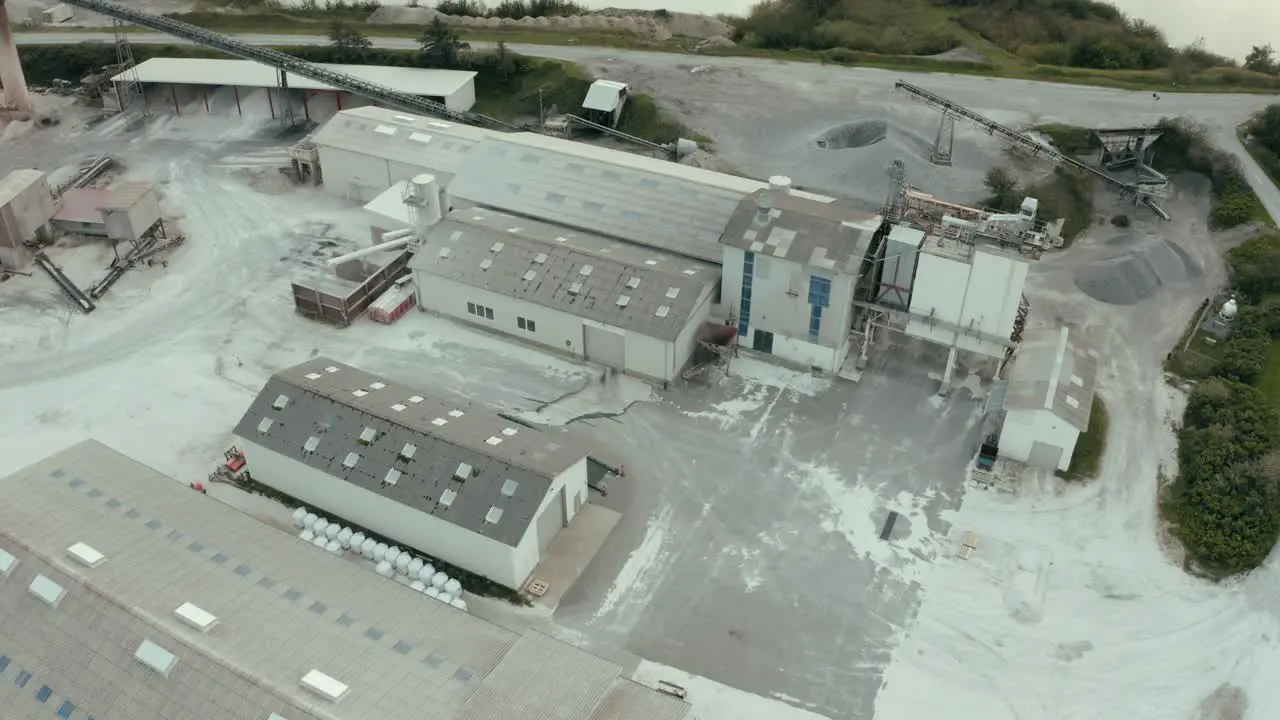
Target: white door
(551, 521)
(605, 347)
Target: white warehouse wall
(429, 535)
(464, 98)
(646, 357)
(574, 481)
(982, 295)
(360, 177)
(1022, 428)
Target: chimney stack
(13, 82)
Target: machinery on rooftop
(1148, 186)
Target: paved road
(1221, 113)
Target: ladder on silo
(128, 89)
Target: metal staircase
(129, 92)
(285, 63)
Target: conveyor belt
(77, 295)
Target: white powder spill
(713, 701)
(731, 411)
(750, 564)
(641, 571)
(761, 372)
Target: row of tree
(439, 45)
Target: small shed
(127, 212)
(1051, 384)
(604, 102)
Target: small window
(448, 496)
(633, 283)
(493, 516)
(509, 487)
(44, 693)
(488, 313)
(408, 450)
(66, 710)
(526, 324)
(281, 402)
(311, 444)
(265, 424)
(350, 460)
(471, 308)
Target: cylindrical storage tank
(415, 568)
(383, 568)
(453, 587)
(309, 520)
(320, 541)
(432, 592)
(307, 535)
(320, 525)
(299, 517)
(459, 603)
(380, 552)
(344, 536)
(393, 553)
(438, 580)
(427, 572)
(357, 541)
(334, 547)
(367, 547)
(402, 563)
(417, 585)
(332, 531)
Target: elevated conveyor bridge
(285, 63)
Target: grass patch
(1068, 139)
(1086, 460)
(547, 84)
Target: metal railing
(285, 63)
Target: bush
(1120, 221)
(1184, 147)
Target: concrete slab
(571, 552)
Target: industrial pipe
(394, 244)
(397, 234)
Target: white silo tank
(427, 572)
(415, 568)
(320, 525)
(357, 540)
(344, 537)
(334, 547)
(367, 547)
(453, 588)
(459, 603)
(307, 536)
(438, 580)
(384, 569)
(1229, 309)
(309, 520)
(432, 592)
(320, 541)
(417, 585)
(393, 553)
(380, 552)
(332, 531)
(402, 563)
(299, 517)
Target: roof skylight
(155, 657)
(493, 516)
(350, 460)
(633, 282)
(7, 563)
(393, 476)
(494, 440)
(448, 496)
(673, 293)
(456, 413)
(509, 487)
(585, 270)
(86, 555)
(623, 300)
(47, 590)
(195, 617)
(662, 311)
(324, 686)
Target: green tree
(1003, 188)
(347, 42)
(441, 47)
(1265, 128)
(1262, 58)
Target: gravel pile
(1130, 277)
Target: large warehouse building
(619, 305)
(450, 479)
(1051, 384)
(791, 268)
(126, 596)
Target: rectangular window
(488, 313)
(480, 311)
(471, 308)
(526, 324)
(22, 679)
(819, 291)
(66, 710)
(748, 270)
(815, 322)
(44, 693)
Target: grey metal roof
(526, 684)
(650, 202)
(1050, 371)
(283, 608)
(825, 235)
(363, 440)
(436, 146)
(543, 264)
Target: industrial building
(791, 269)
(26, 205)
(451, 479)
(604, 102)
(1051, 383)
(124, 213)
(126, 595)
(615, 304)
(364, 151)
(452, 88)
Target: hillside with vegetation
(1049, 33)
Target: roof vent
(408, 450)
(324, 686)
(265, 424)
(623, 300)
(494, 440)
(662, 311)
(575, 288)
(509, 432)
(47, 590)
(691, 271)
(195, 617)
(650, 262)
(530, 275)
(415, 399)
(672, 293)
(456, 413)
(86, 555)
(585, 270)
(633, 283)
(331, 369)
(155, 657)
(485, 264)
(393, 476)
(497, 247)
(540, 258)
(493, 516)
(7, 564)
(448, 496)
(439, 422)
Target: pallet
(537, 588)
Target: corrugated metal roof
(602, 191)
(544, 264)
(822, 235)
(16, 182)
(284, 608)
(604, 95)
(529, 684)
(436, 146)
(83, 205)
(247, 73)
(1052, 372)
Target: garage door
(551, 520)
(605, 347)
(1044, 456)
